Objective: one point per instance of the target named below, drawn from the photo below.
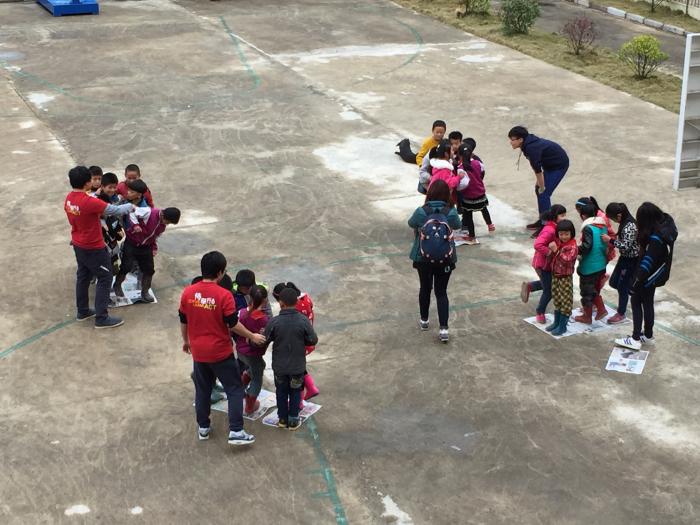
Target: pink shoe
(617, 319)
(492, 227)
(310, 389)
(540, 318)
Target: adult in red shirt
(207, 318)
(84, 212)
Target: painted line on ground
(244, 60)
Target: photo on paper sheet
(132, 293)
(267, 401)
(627, 361)
(574, 328)
(309, 410)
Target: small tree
(643, 54)
(474, 7)
(517, 16)
(580, 34)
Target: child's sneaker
(424, 325)
(109, 322)
(294, 423)
(444, 335)
(240, 438)
(617, 319)
(282, 423)
(471, 241)
(541, 318)
(492, 227)
(87, 315)
(629, 342)
(203, 433)
(525, 292)
(648, 340)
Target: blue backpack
(436, 241)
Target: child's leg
(468, 222)
(648, 306)
(546, 283)
(310, 388)
(624, 283)
(564, 302)
(587, 284)
(487, 216)
(296, 383)
(442, 278)
(228, 372)
(282, 391)
(536, 286)
(256, 367)
(144, 256)
(127, 263)
(425, 275)
(203, 377)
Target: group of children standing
(645, 247)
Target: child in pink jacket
(443, 169)
(542, 260)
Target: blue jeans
(552, 178)
(255, 365)
(544, 284)
(288, 390)
(229, 374)
(621, 279)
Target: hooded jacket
(657, 255)
(444, 170)
(593, 250)
(544, 155)
(146, 229)
(475, 188)
(542, 260)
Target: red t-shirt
(203, 306)
(84, 213)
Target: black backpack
(436, 240)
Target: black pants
(288, 393)
(621, 279)
(434, 276)
(468, 220)
(229, 374)
(140, 254)
(589, 286)
(643, 309)
(91, 263)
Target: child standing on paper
(542, 261)
(290, 332)
(593, 251)
(565, 253)
(628, 246)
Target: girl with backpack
(542, 261)
(657, 235)
(627, 245)
(433, 252)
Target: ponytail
(552, 213)
(258, 294)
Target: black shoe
(282, 423)
(147, 297)
(294, 423)
(87, 315)
(109, 322)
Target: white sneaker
(240, 438)
(424, 325)
(203, 433)
(629, 342)
(444, 335)
(647, 340)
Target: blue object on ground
(71, 7)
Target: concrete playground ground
(272, 125)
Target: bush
(474, 7)
(517, 16)
(580, 34)
(643, 54)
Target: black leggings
(643, 309)
(468, 220)
(437, 276)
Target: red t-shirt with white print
(84, 212)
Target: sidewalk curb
(636, 19)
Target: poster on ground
(309, 410)
(267, 401)
(132, 293)
(627, 361)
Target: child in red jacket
(305, 306)
(565, 252)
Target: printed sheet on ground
(267, 401)
(574, 328)
(309, 410)
(132, 293)
(627, 361)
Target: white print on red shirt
(208, 303)
(73, 209)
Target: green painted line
(29, 340)
(332, 492)
(244, 60)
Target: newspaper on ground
(132, 293)
(627, 361)
(267, 401)
(309, 410)
(574, 328)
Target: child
(305, 306)
(600, 213)
(473, 197)
(657, 236)
(626, 243)
(425, 172)
(241, 287)
(254, 318)
(140, 246)
(112, 230)
(439, 129)
(132, 173)
(591, 270)
(455, 138)
(443, 169)
(95, 178)
(564, 257)
(291, 332)
(136, 193)
(542, 260)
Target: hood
(667, 229)
(529, 140)
(595, 221)
(441, 164)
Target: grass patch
(600, 64)
(668, 14)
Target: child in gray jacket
(291, 332)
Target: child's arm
(424, 172)
(310, 337)
(117, 209)
(464, 181)
(453, 219)
(586, 241)
(542, 243)
(568, 253)
(423, 151)
(417, 219)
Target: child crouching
(565, 252)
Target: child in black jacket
(291, 332)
